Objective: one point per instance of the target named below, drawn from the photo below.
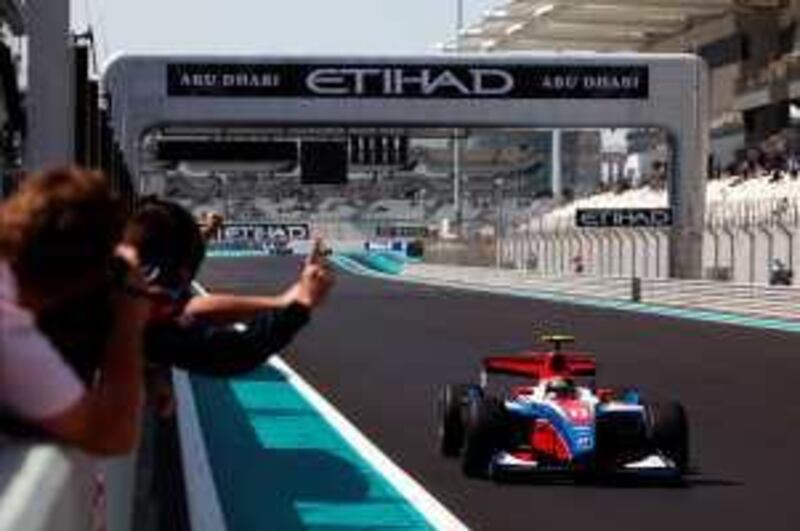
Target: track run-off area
(379, 350)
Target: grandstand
(752, 49)
(730, 194)
(751, 46)
(418, 191)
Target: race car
(560, 424)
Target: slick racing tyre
(485, 434)
(451, 407)
(669, 431)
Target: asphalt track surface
(379, 350)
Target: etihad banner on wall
(265, 232)
(623, 217)
(394, 231)
(418, 81)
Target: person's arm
(107, 417)
(225, 350)
(310, 290)
(225, 308)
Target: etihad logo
(352, 81)
(623, 217)
(260, 232)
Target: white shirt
(35, 383)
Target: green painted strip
(278, 464)
(653, 309)
(382, 262)
(370, 515)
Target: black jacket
(224, 350)
(198, 347)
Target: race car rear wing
(538, 365)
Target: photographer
(218, 335)
(198, 333)
(65, 296)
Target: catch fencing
(740, 243)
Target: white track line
(436, 513)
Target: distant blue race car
(557, 427)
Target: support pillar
(50, 92)
(555, 159)
(687, 188)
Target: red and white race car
(560, 423)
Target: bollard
(636, 289)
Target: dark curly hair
(60, 225)
(167, 237)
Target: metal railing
(741, 239)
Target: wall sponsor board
(391, 231)
(434, 81)
(623, 217)
(265, 232)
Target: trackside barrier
(205, 513)
(777, 302)
(389, 263)
(49, 488)
(44, 488)
(741, 239)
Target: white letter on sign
(331, 77)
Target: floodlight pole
(457, 181)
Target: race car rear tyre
(451, 408)
(486, 429)
(669, 431)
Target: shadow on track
(691, 481)
(261, 487)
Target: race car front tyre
(486, 429)
(669, 431)
(451, 407)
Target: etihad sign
(402, 81)
(623, 217)
(409, 80)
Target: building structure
(752, 48)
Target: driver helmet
(560, 388)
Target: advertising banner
(418, 81)
(265, 232)
(623, 217)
